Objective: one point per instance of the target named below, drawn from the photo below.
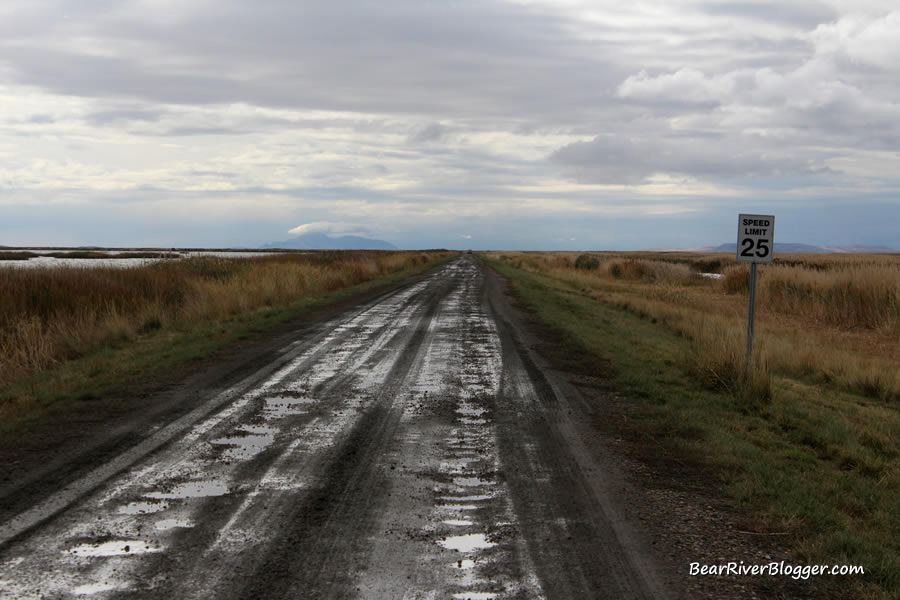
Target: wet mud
(409, 449)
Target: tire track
(412, 449)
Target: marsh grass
(51, 315)
(834, 319)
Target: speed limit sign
(756, 238)
(755, 244)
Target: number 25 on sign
(755, 244)
(756, 238)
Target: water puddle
(167, 524)
(192, 489)
(467, 543)
(471, 411)
(94, 588)
(466, 454)
(458, 506)
(458, 522)
(284, 406)
(465, 440)
(475, 596)
(472, 481)
(117, 548)
(143, 508)
(475, 498)
(464, 564)
(471, 421)
(245, 447)
(457, 446)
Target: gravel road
(408, 448)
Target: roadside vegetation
(809, 441)
(833, 321)
(64, 330)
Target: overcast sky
(534, 124)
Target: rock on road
(410, 448)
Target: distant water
(52, 261)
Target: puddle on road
(117, 548)
(143, 508)
(285, 406)
(94, 588)
(458, 506)
(475, 596)
(475, 498)
(167, 524)
(245, 447)
(191, 489)
(472, 421)
(458, 522)
(467, 543)
(465, 446)
(472, 481)
(471, 411)
(464, 564)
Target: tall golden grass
(49, 315)
(832, 317)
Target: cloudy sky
(533, 124)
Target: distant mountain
(805, 249)
(320, 241)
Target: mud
(409, 448)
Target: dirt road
(410, 448)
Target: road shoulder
(670, 506)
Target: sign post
(755, 244)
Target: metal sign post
(755, 244)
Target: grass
(69, 333)
(16, 255)
(834, 320)
(816, 462)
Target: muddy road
(409, 448)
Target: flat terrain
(408, 448)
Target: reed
(835, 318)
(49, 315)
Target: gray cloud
(473, 105)
(429, 133)
(119, 116)
(462, 58)
(614, 159)
(804, 15)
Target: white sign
(756, 238)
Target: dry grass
(848, 296)
(49, 315)
(833, 318)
